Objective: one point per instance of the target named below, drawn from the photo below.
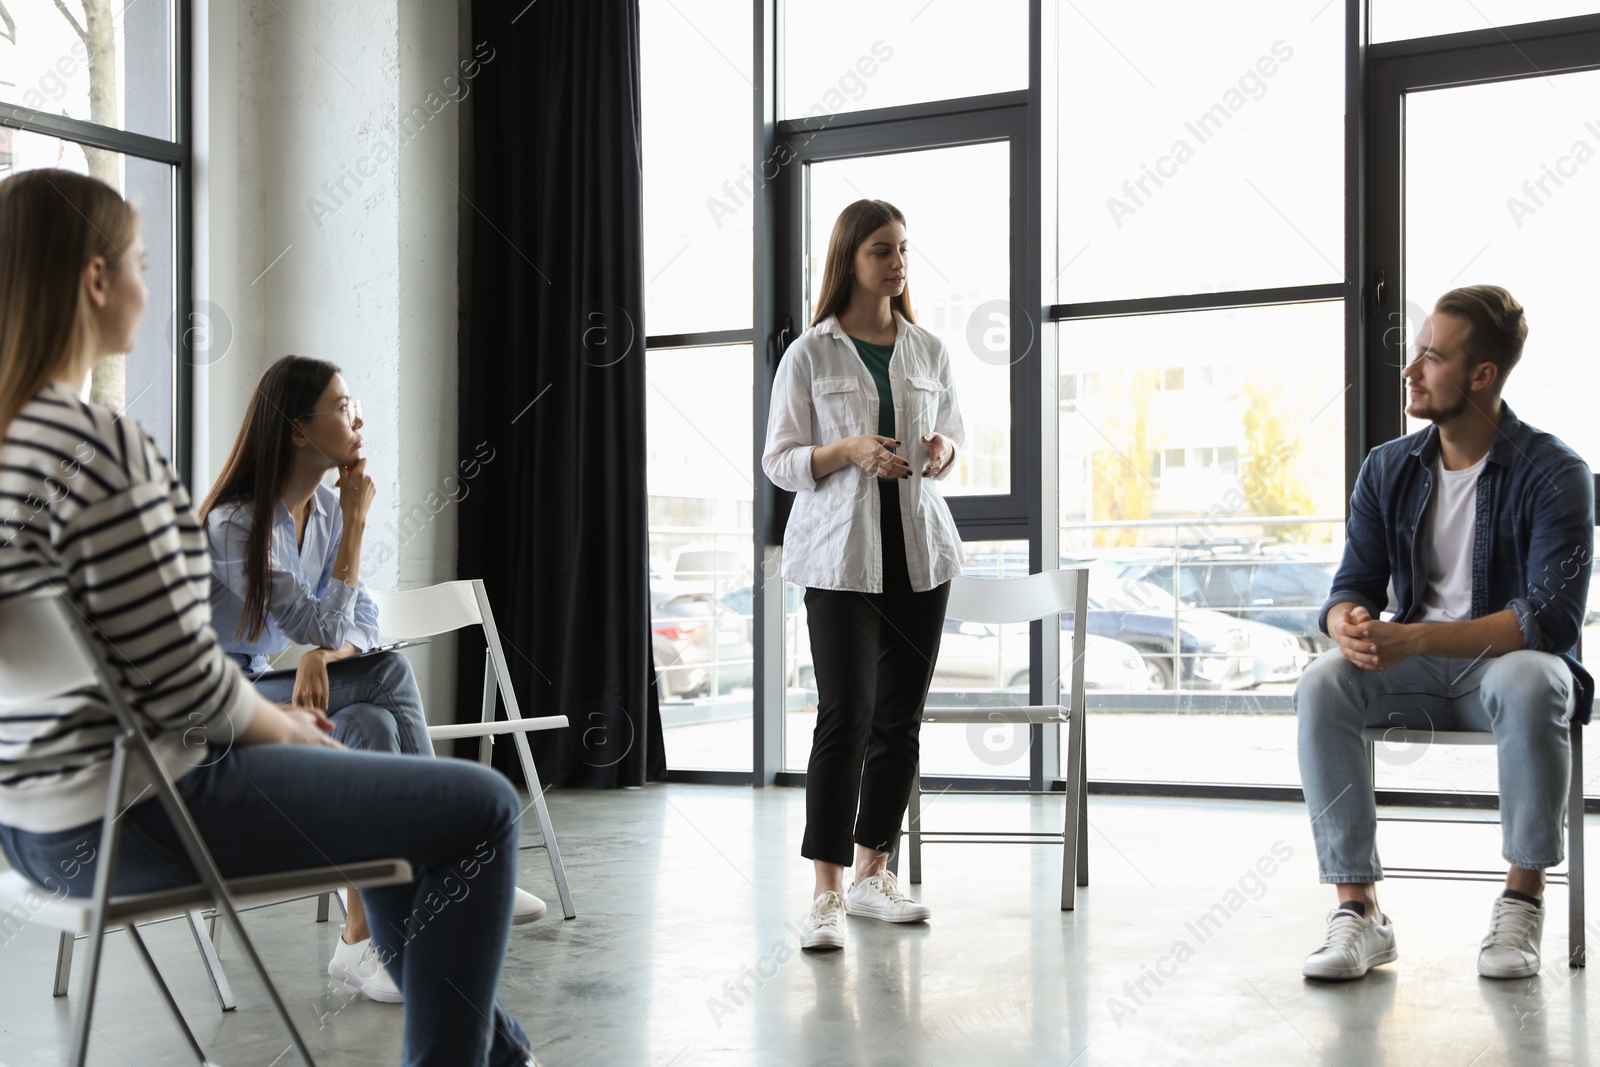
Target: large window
(1397, 20)
(841, 55)
(1220, 165)
(1173, 327)
(700, 181)
(1200, 380)
(94, 86)
(698, 213)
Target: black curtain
(553, 382)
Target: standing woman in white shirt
(863, 420)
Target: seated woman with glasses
(91, 511)
(285, 563)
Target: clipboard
(390, 646)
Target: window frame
(1371, 233)
(177, 154)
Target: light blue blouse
(305, 604)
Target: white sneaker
(879, 897)
(1511, 948)
(824, 923)
(526, 908)
(1354, 945)
(358, 964)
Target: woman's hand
(870, 452)
(311, 681)
(875, 455)
(272, 725)
(356, 492)
(307, 726)
(939, 455)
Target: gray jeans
(1524, 698)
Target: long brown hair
(854, 225)
(52, 223)
(258, 468)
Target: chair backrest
(43, 653)
(434, 609)
(438, 609)
(1023, 599)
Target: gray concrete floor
(683, 954)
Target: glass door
(957, 200)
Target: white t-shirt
(1454, 515)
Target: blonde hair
(52, 223)
(854, 225)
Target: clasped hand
(876, 455)
(1370, 643)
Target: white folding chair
(46, 651)
(450, 606)
(1572, 878)
(1011, 600)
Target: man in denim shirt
(1485, 528)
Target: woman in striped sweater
(90, 508)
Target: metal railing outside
(708, 573)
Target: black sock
(1357, 906)
(1525, 898)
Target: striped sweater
(90, 508)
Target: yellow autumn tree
(1273, 464)
(1120, 467)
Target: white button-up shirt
(824, 392)
(306, 604)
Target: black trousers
(873, 654)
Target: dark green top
(876, 357)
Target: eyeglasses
(350, 413)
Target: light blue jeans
(373, 702)
(1524, 698)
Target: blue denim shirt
(1531, 548)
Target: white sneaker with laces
(1511, 948)
(879, 897)
(1353, 946)
(824, 923)
(526, 908)
(358, 964)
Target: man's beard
(1436, 414)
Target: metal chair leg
(219, 981)
(546, 830)
(166, 994)
(1073, 817)
(64, 948)
(914, 838)
(491, 692)
(322, 907)
(1577, 932)
(1083, 806)
(79, 1056)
